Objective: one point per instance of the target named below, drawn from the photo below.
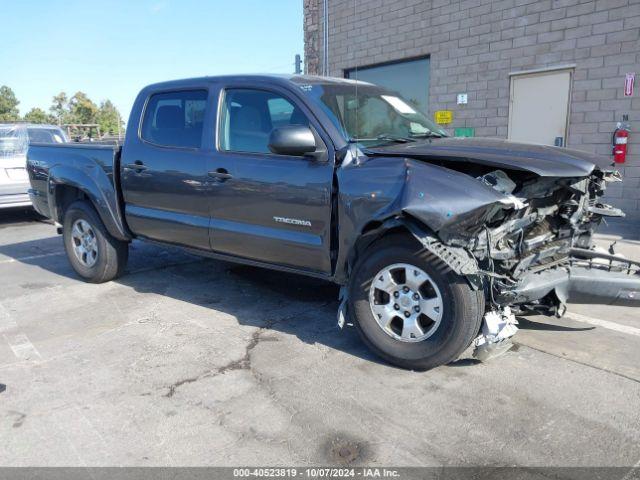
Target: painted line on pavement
(22, 347)
(7, 321)
(19, 343)
(604, 324)
(32, 257)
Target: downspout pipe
(325, 37)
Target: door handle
(221, 175)
(137, 166)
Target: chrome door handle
(137, 166)
(220, 174)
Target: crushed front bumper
(592, 277)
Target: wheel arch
(375, 230)
(458, 259)
(67, 185)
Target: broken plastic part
(498, 327)
(342, 308)
(499, 181)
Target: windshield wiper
(428, 134)
(385, 137)
(394, 138)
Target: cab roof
(272, 78)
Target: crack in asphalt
(242, 363)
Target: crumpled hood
(542, 160)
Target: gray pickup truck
(436, 241)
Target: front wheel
(409, 307)
(93, 253)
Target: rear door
(266, 207)
(164, 170)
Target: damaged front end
(520, 233)
(539, 254)
(533, 251)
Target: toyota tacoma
(437, 242)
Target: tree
(82, 109)
(109, 118)
(8, 105)
(37, 115)
(60, 107)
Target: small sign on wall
(629, 81)
(464, 132)
(443, 117)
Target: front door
(539, 107)
(164, 173)
(266, 207)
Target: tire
(110, 256)
(448, 331)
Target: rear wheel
(410, 307)
(94, 254)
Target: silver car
(14, 141)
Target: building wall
(475, 44)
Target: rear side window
(175, 119)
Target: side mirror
(293, 140)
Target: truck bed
(88, 168)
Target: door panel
(539, 105)
(168, 200)
(271, 208)
(164, 175)
(274, 210)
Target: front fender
(445, 202)
(97, 186)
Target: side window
(175, 119)
(248, 116)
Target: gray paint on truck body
(422, 185)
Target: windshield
(13, 140)
(374, 118)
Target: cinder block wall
(475, 44)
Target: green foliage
(109, 118)
(37, 115)
(79, 109)
(60, 107)
(8, 105)
(82, 109)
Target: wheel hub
(406, 302)
(84, 243)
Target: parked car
(14, 140)
(436, 241)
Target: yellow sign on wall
(443, 117)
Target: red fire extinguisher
(620, 140)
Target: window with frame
(249, 116)
(175, 119)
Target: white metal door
(539, 107)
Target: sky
(110, 49)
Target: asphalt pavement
(187, 361)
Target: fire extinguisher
(620, 140)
